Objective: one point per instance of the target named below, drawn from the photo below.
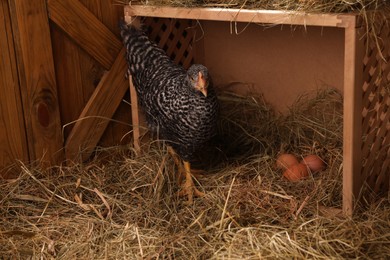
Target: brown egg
(314, 162)
(286, 160)
(296, 172)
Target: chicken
(180, 106)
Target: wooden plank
(98, 111)
(37, 80)
(239, 15)
(352, 133)
(82, 26)
(107, 12)
(138, 120)
(13, 143)
(70, 79)
(135, 116)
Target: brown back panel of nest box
(281, 62)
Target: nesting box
(284, 54)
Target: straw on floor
(121, 205)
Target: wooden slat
(13, 143)
(240, 15)
(135, 116)
(37, 80)
(84, 28)
(98, 111)
(352, 136)
(70, 79)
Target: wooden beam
(239, 15)
(352, 133)
(138, 119)
(37, 80)
(135, 117)
(97, 113)
(85, 29)
(12, 129)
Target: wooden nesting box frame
(354, 54)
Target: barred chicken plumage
(180, 106)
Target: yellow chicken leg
(177, 163)
(188, 188)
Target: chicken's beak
(202, 83)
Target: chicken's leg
(178, 164)
(188, 188)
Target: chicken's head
(198, 77)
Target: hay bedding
(125, 206)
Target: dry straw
(123, 206)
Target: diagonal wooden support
(86, 30)
(97, 113)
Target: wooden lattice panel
(174, 36)
(376, 112)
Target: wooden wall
(13, 141)
(62, 69)
(82, 57)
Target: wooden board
(13, 143)
(352, 117)
(106, 11)
(37, 80)
(73, 82)
(242, 15)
